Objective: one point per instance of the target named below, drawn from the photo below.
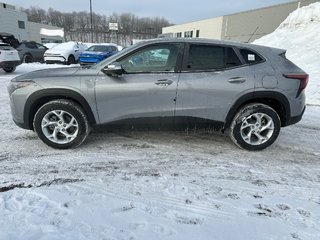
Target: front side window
(159, 58)
(208, 57)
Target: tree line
(77, 25)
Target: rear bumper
(9, 64)
(22, 125)
(295, 119)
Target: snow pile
(29, 67)
(300, 35)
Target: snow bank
(300, 35)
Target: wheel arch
(275, 100)
(37, 99)
(27, 54)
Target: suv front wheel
(255, 127)
(61, 124)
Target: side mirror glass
(114, 69)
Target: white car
(67, 53)
(9, 58)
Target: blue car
(97, 53)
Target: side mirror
(114, 69)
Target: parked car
(31, 52)
(9, 39)
(97, 53)
(67, 53)
(246, 90)
(9, 58)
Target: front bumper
(55, 59)
(18, 96)
(86, 61)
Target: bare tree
(77, 25)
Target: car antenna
(253, 34)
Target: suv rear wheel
(255, 127)
(27, 58)
(61, 124)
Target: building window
(197, 33)
(188, 34)
(21, 24)
(4, 5)
(179, 34)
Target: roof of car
(209, 41)
(197, 40)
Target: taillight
(304, 78)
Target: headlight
(14, 85)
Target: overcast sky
(176, 11)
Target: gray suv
(248, 91)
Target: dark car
(9, 39)
(31, 52)
(97, 53)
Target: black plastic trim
(40, 97)
(258, 96)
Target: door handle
(164, 82)
(237, 80)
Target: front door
(146, 89)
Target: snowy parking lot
(158, 185)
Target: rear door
(213, 77)
(148, 87)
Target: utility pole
(91, 20)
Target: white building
(16, 22)
(244, 26)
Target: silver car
(248, 91)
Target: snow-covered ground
(162, 185)
(158, 185)
(300, 35)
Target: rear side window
(250, 57)
(207, 57)
(31, 45)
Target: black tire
(255, 127)
(70, 109)
(71, 60)
(9, 69)
(27, 58)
